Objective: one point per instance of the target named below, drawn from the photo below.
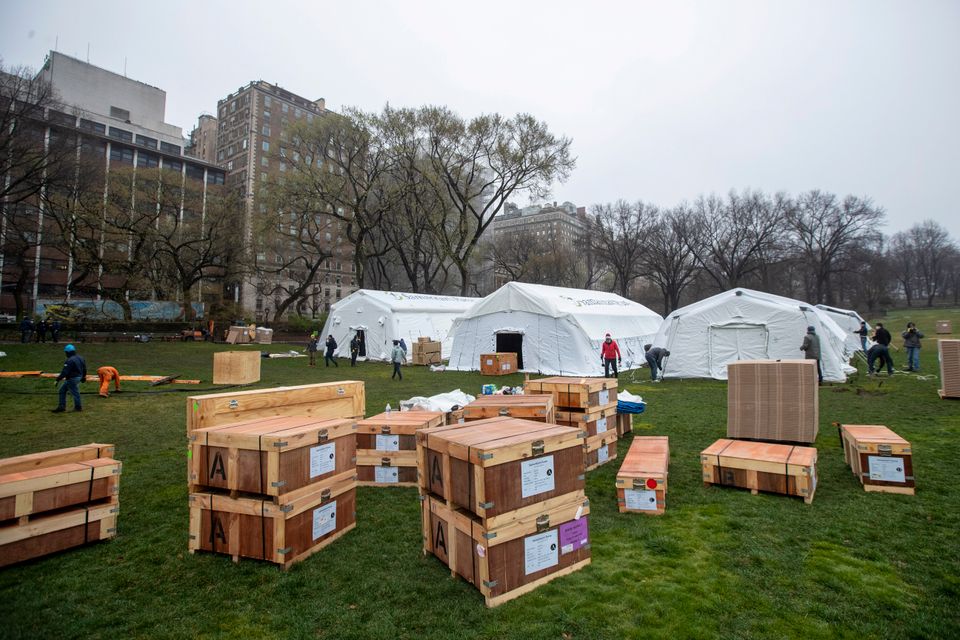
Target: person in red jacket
(610, 356)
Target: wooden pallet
(387, 447)
(27, 493)
(879, 458)
(759, 466)
(642, 478)
(526, 406)
(133, 378)
(46, 534)
(571, 394)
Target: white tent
(849, 321)
(385, 316)
(553, 330)
(741, 324)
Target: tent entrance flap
(361, 334)
(511, 342)
(732, 342)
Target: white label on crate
(602, 425)
(388, 443)
(386, 474)
(642, 499)
(323, 459)
(324, 519)
(579, 513)
(536, 476)
(604, 396)
(481, 550)
(603, 453)
(540, 552)
(505, 366)
(489, 362)
(813, 478)
(887, 469)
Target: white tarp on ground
(559, 330)
(385, 316)
(849, 321)
(741, 324)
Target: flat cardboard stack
(527, 406)
(642, 478)
(503, 504)
(55, 500)
(589, 404)
(760, 466)
(881, 460)
(426, 352)
(498, 364)
(387, 447)
(949, 351)
(236, 367)
(773, 400)
(944, 327)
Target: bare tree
(666, 261)
(923, 254)
(619, 239)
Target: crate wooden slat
(760, 466)
(528, 407)
(27, 493)
(281, 457)
(773, 400)
(642, 478)
(263, 530)
(594, 421)
(387, 447)
(43, 459)
(344, 399)
(879, 458)
(949, 352)
(576, 393)
(50, 533)
(508, 561)
(236, 367)
(498, 364)
(495, 466)
(599, 450)
(624, 424)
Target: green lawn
(720, 563)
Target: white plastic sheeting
(386, 316)
(849, 321)
(740, 324)
(561, 328)
(440, 402)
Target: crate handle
(537, 447)
(543, 522)
(322, 435)
(504, 412)
(884, 449)
(325, 494)
(385, 429)
(385, 462)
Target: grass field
(719, 563)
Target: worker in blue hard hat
(74, 372)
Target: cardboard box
(773, 400)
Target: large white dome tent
(849, 321)
(741, 324)
(553, 330)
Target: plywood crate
(56, 531)
(236, 367)
(881, 460)
(261, 529)
(576, 393)
(494, 467)
(773, 400)
(624, 424)
(528, 407)
(454, 416)
(508, 561)
(498, 364)
(43, 459)
(25, 494)
(944, 327)
(426, 352)
(642, 478)
(761, 466)
(949, 351)
(599, 450)
(387, 447)
(280, 458)
(594, 421)
(345, 399)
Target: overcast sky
(663, 100)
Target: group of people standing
(879, 352)
(398, 354)
(30, 332)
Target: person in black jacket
(328, 355)
(74, 372)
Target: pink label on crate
(573, 535)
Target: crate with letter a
(576, 394)
(881, 460)
(275, 457)
(525, 406)
(493, 467)
(504, 562)
(642, 478)
(760, 466)
(387, 447)
(260, 528)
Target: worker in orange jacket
(106, 374)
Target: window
(194, 172)
(266, 114)
(283, 166)
(220, 156)
(309, 117)
(230, 166)
(265, 146)
(120, 114)
(263, 177)
(264, 161)
(169, 148)
(90, 125)
(121, 134)
(62, 118)
(243, 143)
(265, 130)
(173, 165)
(296, 113)
(215, 177)
(284, 107)
(267, 101)
(146, 142)
(147, 160)
(121, 154)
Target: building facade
(203, 139)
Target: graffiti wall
(110, 310)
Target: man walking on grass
(74, 372)
(397, 357)
(328, 354)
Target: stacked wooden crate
(761, 466)
(426, 351)
(589, 404)
(527, 406)
(236, 367)
(503, 503)
(624, 424)
(387, 447)
(949, 368)
(642, 478)
(498, 364)
(55, 500)
(773, 400)
(881, 460)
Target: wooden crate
(263, 530)
(344, 399)
(594, 421)
(760, 466)
(387, 447)
(944, 327)
(27, 493)
(599, 450)
(642, 478)
(280, 457)
(43, 459)
(624, 424)
(773, 400)
(527, 407)
(498, 364)
(949, 352)
(576, 393)
(57, 531)
(495, 466)
(454, 416)
(508, 561)
(236, 367)
(879, 458)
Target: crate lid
(558, 382)
(497, 441)
(872, 433)
(400, 422)
(275, 434)
(648, 455)
(524, 400)
(763, 452)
